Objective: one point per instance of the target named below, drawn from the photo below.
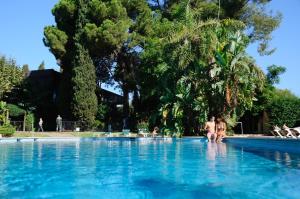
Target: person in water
(210, 126)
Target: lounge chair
(289, 132)
(277, 132)
(296, 131)
(143, 133)
(126, 132)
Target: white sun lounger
(296, 131)
(289, 132)
(277, 132)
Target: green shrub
(14, 110)
(29, 121)
(284, 110)
(143, 125)
(7, 130)
(98, 125)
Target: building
(44, 92)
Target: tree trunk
(125, 102)
(24, 122)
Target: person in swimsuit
(220, 129)
(155, 131)
(210, 126)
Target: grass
(30, 134)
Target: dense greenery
(201, 68)
(25, 70)
(281, 106)
(6, 129)
(29, 122)
(15, 111)
(10, 76)
(182, 60)
(284, 108)
(84, 99)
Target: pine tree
(42, 66)
(84, 100)
(25, 70)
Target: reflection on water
(290, 160)
(215, 150)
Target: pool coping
(55, 139)
(33, 139)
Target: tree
(200, 69)
(259, 21)
(84, 100)
(25, 70)
(111, 34)
(284, 108)
(273, 74)
(184, 60)
(104, 31)
(42, 66)
(11, 76)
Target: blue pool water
(146, 168)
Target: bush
(7, 130)
(284, 110)
(143, 125)
(98, 125)
(14, 110)
(29, 121)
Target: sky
(22, 23)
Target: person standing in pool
(210, 126)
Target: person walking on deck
(59, 123)
(41, 125)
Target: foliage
(184, 60)
(144, 124)
(25, 70)
(260, 22)
(7, 130)
(101, 111)
(284, 108)
(84, 103)
(3, 113)
(29, 122)
(98, 125)
(10, 76)
(5, 127)
(14, 110)
(201, 68)
(273, 74)
(103, 32)
(84, 100)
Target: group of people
(58, 124)
(216, 130)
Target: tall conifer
(84, 100)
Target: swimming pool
(149, 168)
